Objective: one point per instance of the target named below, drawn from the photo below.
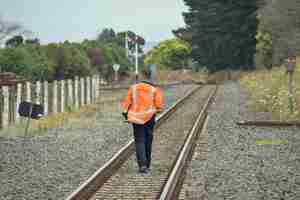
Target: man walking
(143, 101)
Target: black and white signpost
(30, 111)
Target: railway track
(126, 87)
(173, 144)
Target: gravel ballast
(51, 166)
(243, 163)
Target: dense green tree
(15, 60)
(107, 35)
(30, 62)
(280, 20)
(264, 49)
(120, 39)
(41, 67)
(96, 58)
(170, 53)
(65, 60)
(221, 32)
(70, 61)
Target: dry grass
(108, 104)
(222, 76)
(166, 76)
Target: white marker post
(116, 68)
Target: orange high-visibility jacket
(142, 102)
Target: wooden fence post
(62, 96)
(45, 101)
(38, 92)
(76, 98)
(5, 113)
(82, 91)
(19, 95)
(93, 89)
(28, 91)
(97, 87)
(54, 100)
(88, 90)
(70, 100)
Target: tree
(114, 54)
(15, 60)
(107, 35)
(170, 53)
(281, 20)
(96, 58)
(28, 61)
(33, 41)
(14, 41)
(42, 68)
(70, 61)
(62, 60)
(7, 29)
(131, 36)
(221, 32)
(264, 49)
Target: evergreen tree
(221, 32)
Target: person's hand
(125, 115)
(159, 111)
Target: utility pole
(136, 58)
(126, 44)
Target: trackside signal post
(136, 58)
(290, 68)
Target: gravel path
(49, 167)
(236, 166)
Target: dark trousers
(143, 137)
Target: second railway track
(121, 181)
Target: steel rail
(171, 188)
(90, 186)
(125, 87)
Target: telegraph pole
(126, 44)
(136, 58)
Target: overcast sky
(59, 20)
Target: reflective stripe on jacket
(142, 102)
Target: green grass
(269, 92)
(271, 142)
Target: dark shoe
(143, 170)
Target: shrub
(269, 92)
